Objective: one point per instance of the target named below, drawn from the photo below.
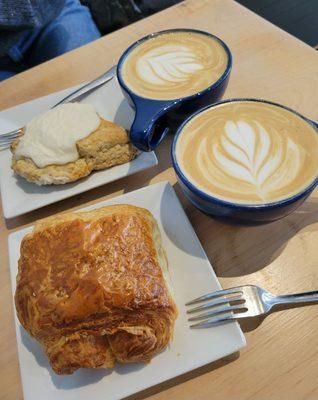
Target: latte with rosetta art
(174, 65)
(249, 152)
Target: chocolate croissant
(93, 288)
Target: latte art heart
(249, 152)
(174, 64)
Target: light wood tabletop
(281, 357)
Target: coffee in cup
(168, 75)
(174, 64)
(248, 152)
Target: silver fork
(240, 302)
(7, 138)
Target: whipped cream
(50, 138)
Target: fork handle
(306, 297)
(100, 80)
(7, 139)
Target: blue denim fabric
(73, 28)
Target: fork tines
(5, 143)
(7, 138)
(217, 314)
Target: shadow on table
(241, 250)
(249, 324)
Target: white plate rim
(141, 163)
(160, 185)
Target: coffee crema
(248, 152)
(174, 65)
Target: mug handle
(150, 125)
(315, 123)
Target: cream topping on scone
(50, 138)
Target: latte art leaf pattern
(245, 155)
(249, 152)
(168, 64)
(174, 65)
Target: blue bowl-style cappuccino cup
(238, 212)
(153, 117)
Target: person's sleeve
(19, 15)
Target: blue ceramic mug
(230, 211)
(154, 118)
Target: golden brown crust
(104, 148)
(96, 280)
(74, 351)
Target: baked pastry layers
(106, 147)
(93, 288)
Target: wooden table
(281, 357)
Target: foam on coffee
(248, 152)
(174, 65)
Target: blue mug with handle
(155, 117)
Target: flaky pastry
(93, 288)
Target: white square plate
(20, 196)
(191, 276)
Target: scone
(105, 147)
(93, 288)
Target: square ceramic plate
(191, 275)
(20, 196)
